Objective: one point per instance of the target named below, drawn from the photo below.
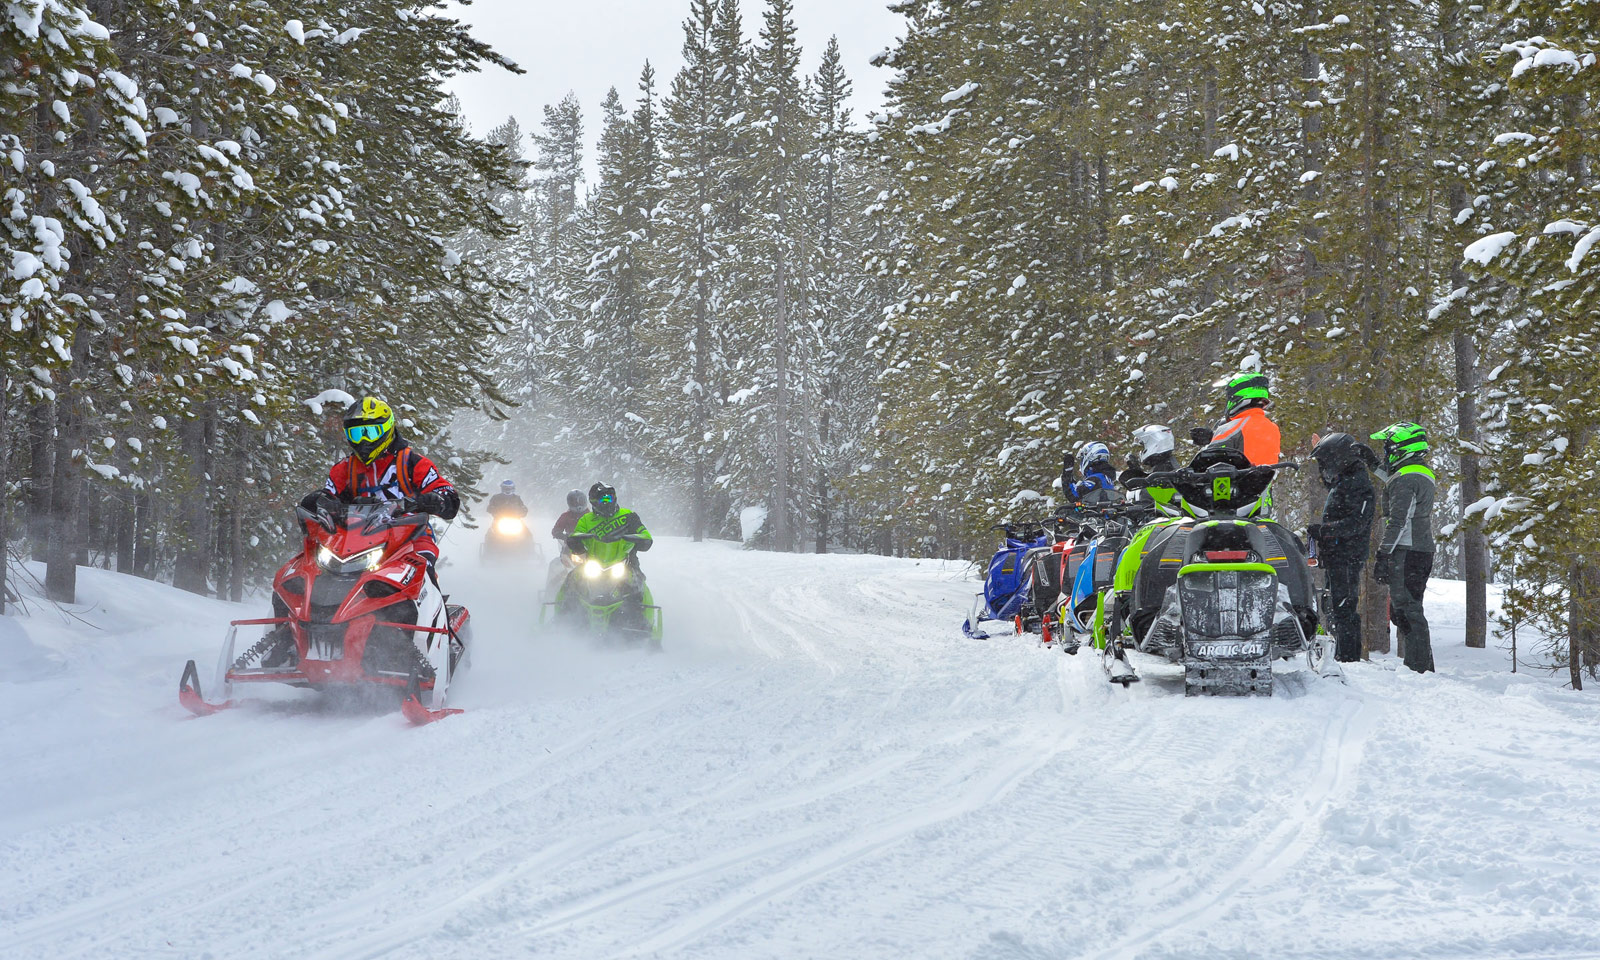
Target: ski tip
(421, 716)
(190, 697)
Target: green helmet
(1402, 441)
(1246, 390)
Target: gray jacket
(1408, 510)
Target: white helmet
(1156, 440)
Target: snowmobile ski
(192, 699)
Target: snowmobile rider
(608, 522)
(1405, 554)
(1247, 397)
(506, 503)
(383, 466)
(577, 506)
(1345, 533)
(1158, 456)
(1099, 478)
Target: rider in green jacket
(599, 533)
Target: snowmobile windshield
(370, 518)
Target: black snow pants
(1408, 583)
(1344, 594)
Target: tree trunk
(1374, 595)
(1474, 545)
(41, 430)
(125, 533)
(61, 552)
(194, 549)
(823, 507)
(1581, 626)
(143, 536)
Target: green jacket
(612, 551)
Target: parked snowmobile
(1082, 602)
(1051, 572)
(1224, 591)
(608, 600)
(357, 608)
(1006, 578)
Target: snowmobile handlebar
(628, 537)
(331, 512)
(1176, 478)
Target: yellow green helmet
(369, 428)
(1402, 441)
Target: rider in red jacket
(383, 466)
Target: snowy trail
(818, 765)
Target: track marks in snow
(981, 791)
(1284, 844)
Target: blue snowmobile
(1006, 583)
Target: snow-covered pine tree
(768, 444)
(697, 146)
(1547, 523)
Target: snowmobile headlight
(508, 527)
(619, 571)
(592, 569)
(367, 560)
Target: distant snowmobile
(357, 608)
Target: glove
(1314, 532)
(430, 503)
(1382, 570)
(1135, 463)
(1200, 436)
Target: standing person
(1344, 535)
(1405, 555)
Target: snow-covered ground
(819, 765)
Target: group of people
(1342, 538)
(383, 465)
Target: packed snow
(819, 765)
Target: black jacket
(507, 505)
(1347, 517)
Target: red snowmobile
(356, 609)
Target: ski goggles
(605, 498)
(367, 432)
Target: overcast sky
(589, 46)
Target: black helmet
(1336, 454)
(603, 499)
(576, 500)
